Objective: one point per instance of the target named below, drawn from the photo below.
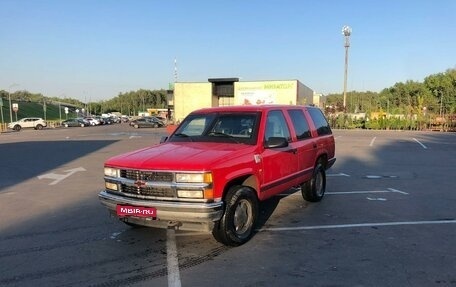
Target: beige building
(230, 91)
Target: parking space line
(172, 259)
(367, 191)
(422, 145)
(389, 190)
(372, 224)
(372, 141)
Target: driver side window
(276, 126)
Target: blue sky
(94, 50)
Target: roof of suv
(247, 108)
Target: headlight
(190, 193)
(111, 185)
(205, 177)
(112, 172)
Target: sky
(93, 50)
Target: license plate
(139, 211)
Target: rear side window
(321, 124)
(300, 124)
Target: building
(230, 91)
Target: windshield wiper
(182, 135)
(224, 135)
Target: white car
(36, 123)
(93, 121)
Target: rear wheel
(238, 221)
(136, 126)
(39, 127)
(314, 189)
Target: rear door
(306, 145)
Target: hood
(181, 156)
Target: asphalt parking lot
(388, 218)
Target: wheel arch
(323, 160)
(248, 180)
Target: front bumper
(182, 215)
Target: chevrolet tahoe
(213, 171)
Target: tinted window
(320, 121)
(276, 126)
(300, 124)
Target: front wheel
(237, 224)
(17, 128)
(314, 189)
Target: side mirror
(163, 139)
(276, 142)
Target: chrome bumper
(182, 215)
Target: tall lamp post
(346, 31)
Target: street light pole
(346, 31)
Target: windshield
(219, 127)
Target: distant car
(163, 119)
(93, 121)
(36, 123)
(85, 121)
(77, 122)
(147, 122)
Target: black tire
(238, 222)
(17, 128)
(39, 127)
(314, 189)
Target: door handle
(293, 150)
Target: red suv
(211, 173)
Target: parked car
(75, 122)
(35, 123)
(93, 121)
(147, 122)
(212, 172)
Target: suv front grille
(148, 191)
(147, 175)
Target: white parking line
(400, 223)
(422, 145)
(367, 191)
(389, 190)
(172, 259)
(372, 141)
(337, 174)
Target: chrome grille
(148, 191)
(147, 175)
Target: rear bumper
(183, 215)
